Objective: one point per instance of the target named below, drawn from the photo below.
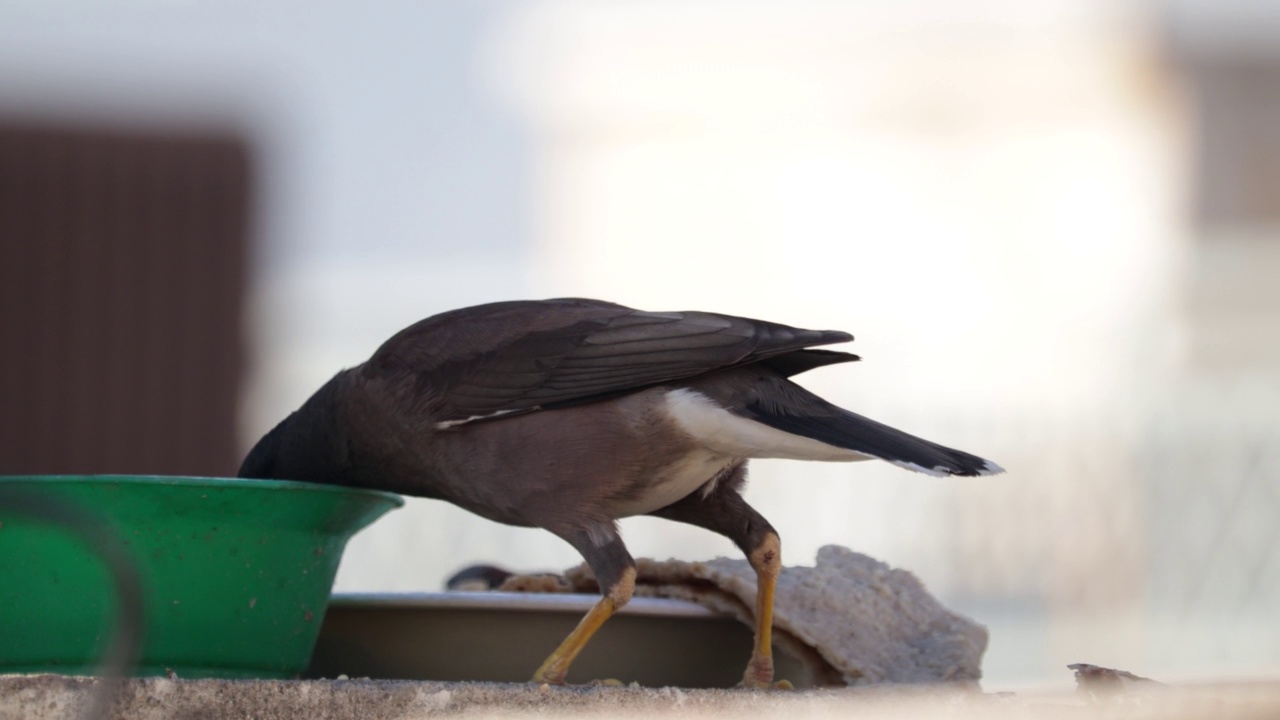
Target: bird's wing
(800, 361)
(504, 358)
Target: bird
(570, 413)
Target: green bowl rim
(207, 481)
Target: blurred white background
(1053, 226)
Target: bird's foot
(606, 682)
(557, 678)
(759, 675)
(766, 685)
(549, 675)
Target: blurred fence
(1151, 539)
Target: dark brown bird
(569, 414)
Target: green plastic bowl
(235, 574)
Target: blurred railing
(1153, 535)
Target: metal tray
(503, 637)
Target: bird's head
(309, 445)
(262, 460)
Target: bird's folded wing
(514, 357)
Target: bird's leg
(556, 666)
(615, 572)
(724, 511)
(766, 560)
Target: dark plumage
(568, 414)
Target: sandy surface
(41, 697)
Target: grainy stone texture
(49, 697)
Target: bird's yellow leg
(766, 560)
(555, 667)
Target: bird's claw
(606, 682)
(764, 685)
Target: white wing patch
(446, 424)
(723, 432)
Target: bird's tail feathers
(866, 436)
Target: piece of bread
(851, 619)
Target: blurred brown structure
(122, 271)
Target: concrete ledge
(44, 697)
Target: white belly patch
(678, 480)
